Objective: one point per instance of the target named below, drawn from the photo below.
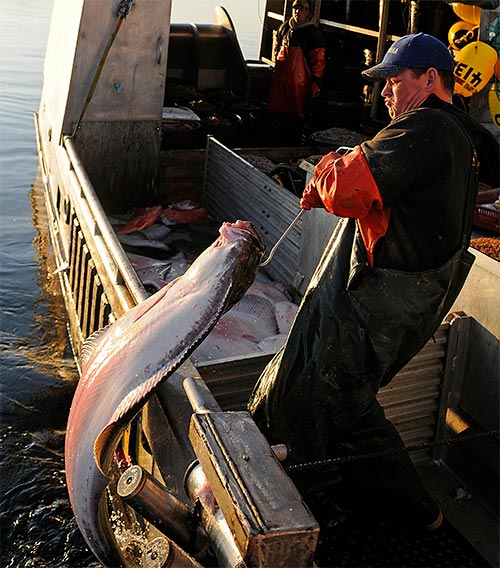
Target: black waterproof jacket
(357, 325)
(421, 165)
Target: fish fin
(138, 396)
(90, 344)
(258, 307)
(93, 340)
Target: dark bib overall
(355, 329)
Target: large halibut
(124, 362)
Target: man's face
(300, 13)
(405, 92)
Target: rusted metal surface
(266, 514)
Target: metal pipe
(212, 519)
(157, 505)
(156, 553)
(355, 29)
(129, 275)
(199, 396)
(383, 19)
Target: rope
(391, 451)
(124, 8)
(122, 12)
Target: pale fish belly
(257, 324)
(239, 331)
(124, 362)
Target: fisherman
(391, 271)
(299, 53)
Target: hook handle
(281, 239)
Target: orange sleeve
(317, 59)
(346, 187)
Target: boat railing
(115, 263)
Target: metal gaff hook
(281, 239)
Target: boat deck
(467, 538)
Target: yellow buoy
(494, 104)
(474, 66)
(471, 14)
(457, 34)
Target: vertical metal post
(212, 519)
(414, 17)
(383, 19)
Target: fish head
(240, 230)
(250, 252)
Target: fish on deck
(239, 331)
(181, 213)
(257, 324)
(145, 218)
(124, 362)
(155, 274)
(156, 236)
(186, 216)
(138, 240)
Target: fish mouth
(242, 230)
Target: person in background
(394, 265)
(299, 55)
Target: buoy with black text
(474, 67)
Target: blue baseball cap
(415, 50)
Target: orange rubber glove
(310, 197)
